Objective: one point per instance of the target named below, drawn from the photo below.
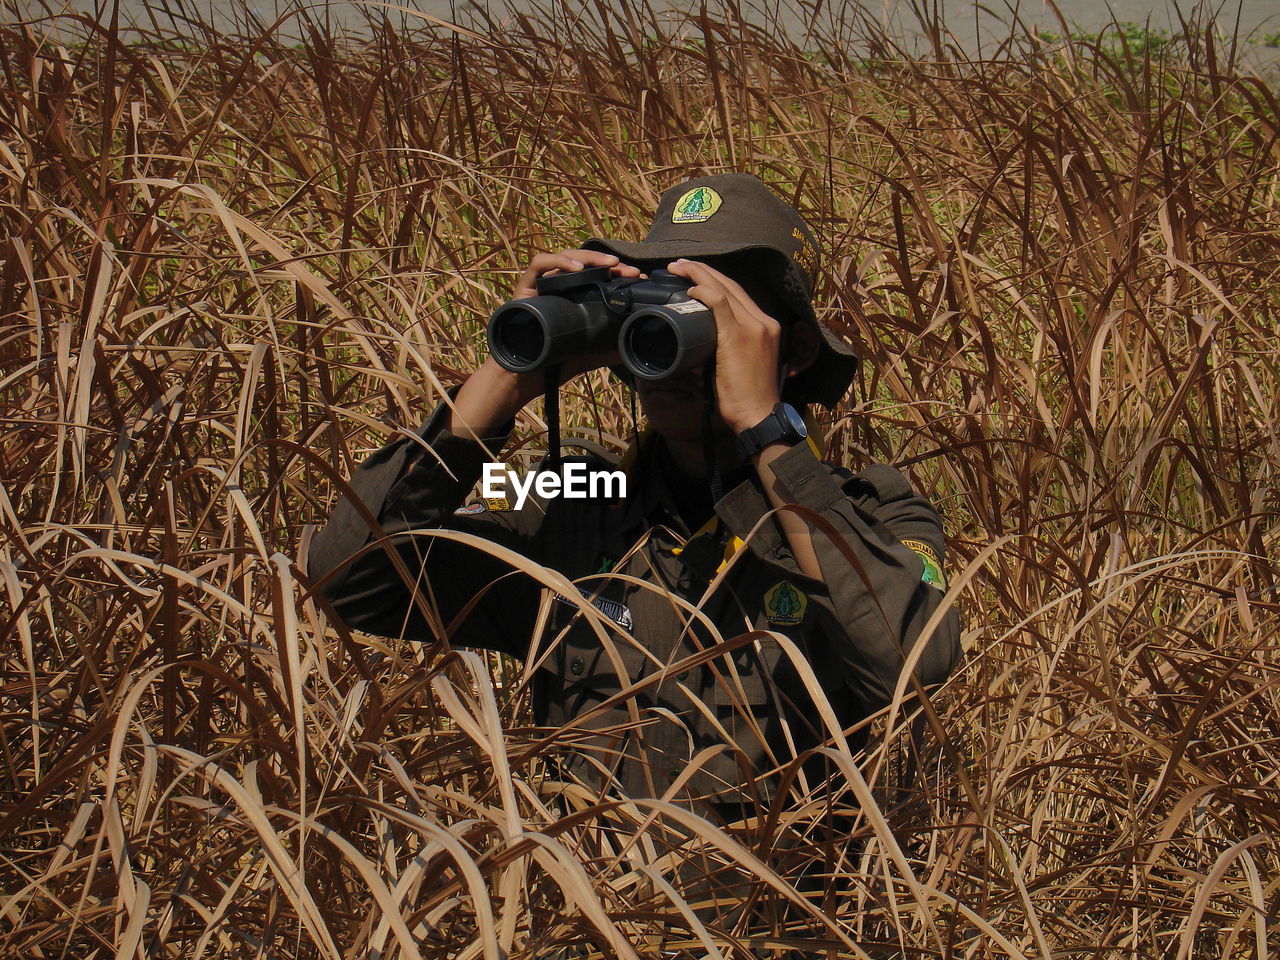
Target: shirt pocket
(746, 677)
(582, 658)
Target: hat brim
(828, 378)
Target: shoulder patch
(784, 604)
(497, 503)
(932, 574)
(469, 509)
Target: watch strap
(772, 429)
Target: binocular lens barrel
(526, 335)
(661, 341)
(521, 341)
(649, 346)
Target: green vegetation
(1124, 36)
(233, 266)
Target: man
(670, 661)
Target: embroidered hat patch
(697, 206)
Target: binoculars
(657, 327)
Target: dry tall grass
(232, 266)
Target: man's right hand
(493, 395)
(568, 261)
(571, 261)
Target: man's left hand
(747, 345)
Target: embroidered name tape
(619, 613)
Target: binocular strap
(708, 439)
(551, 411)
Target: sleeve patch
(932, 574)
(484, 505)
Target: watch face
(794, 418)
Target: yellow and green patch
(785, 605)
(697, 206)
(932, 573)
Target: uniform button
(682, 676)
(577, 666)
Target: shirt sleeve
(382, 576)
(885, 595)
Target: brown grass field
(233, 265)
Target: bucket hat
(735, 215)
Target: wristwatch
(783, 425)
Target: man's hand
(747, 346)
(492, 395)
(748, 342)
(568, 261)
(571, 261)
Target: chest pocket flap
(754, 674)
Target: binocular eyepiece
(658, 328)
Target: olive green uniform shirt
(647, 575)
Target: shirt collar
(739, 510)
